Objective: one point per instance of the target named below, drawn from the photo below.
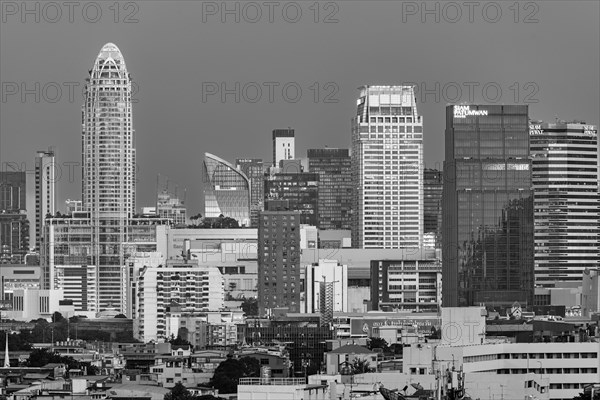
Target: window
(264, 361)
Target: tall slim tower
(387, 173)
(108, 166)
(45, 195)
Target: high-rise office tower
(226, 190)
(12, 191)
(387, 174)
(300, 190)
(335, 186)
(283, 145)
(45, 195)
(279, 283)
(14, 225)
(108, 166)
(253, 168)
(432, 203)
(487, 207)
(567, 207)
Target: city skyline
(329, 123)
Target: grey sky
(171, 52)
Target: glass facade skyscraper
(567, 207)
(487, 212)
(387, 172)
(335, 187)
(226, 190)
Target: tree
(250, 307)
(178, 341)
(587, 395)
(229, 372)
(377, 343)
(179, 392)
(361, 366)
(41, 357)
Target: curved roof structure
(226, 190)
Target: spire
(6, 357)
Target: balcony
(272, 381)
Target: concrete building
(387, 172)
(183, 284)
(283, 145)
(280, 389)
(279, 261)
(171, 207)
(45, 192)
(206, 330)
(32, 304)
(335, 278)
(412, 282)
(566, 202)
(18, 276)
(70, 257)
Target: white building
(30, 304)
(387, 160)
(109, 166)
(330, 272)
(133, 266)
(566, 203)
(188, 285)
(79, 284)
(283, 146)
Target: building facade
(45, 194)
(387, 174)
(171, 207)
(412, 282)
(300, 190)
(566, 203)
(487, 207)
(253, 168)
(109, 176)
(279, 283)
(283, 145)
(335, 187)
(325, 288)
(185, 285)
(226, 190)
(433, 184)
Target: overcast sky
(172, 54)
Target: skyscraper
(170, 206)
(283, 145)
(12, 191)
(387, 174)
(14, 225)
(108, 166)
(253, 168)
(335, 186)
(432, 202)
(45, 195)
(226, 190)
(567, 207)
(487, 207)
(279, 283)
